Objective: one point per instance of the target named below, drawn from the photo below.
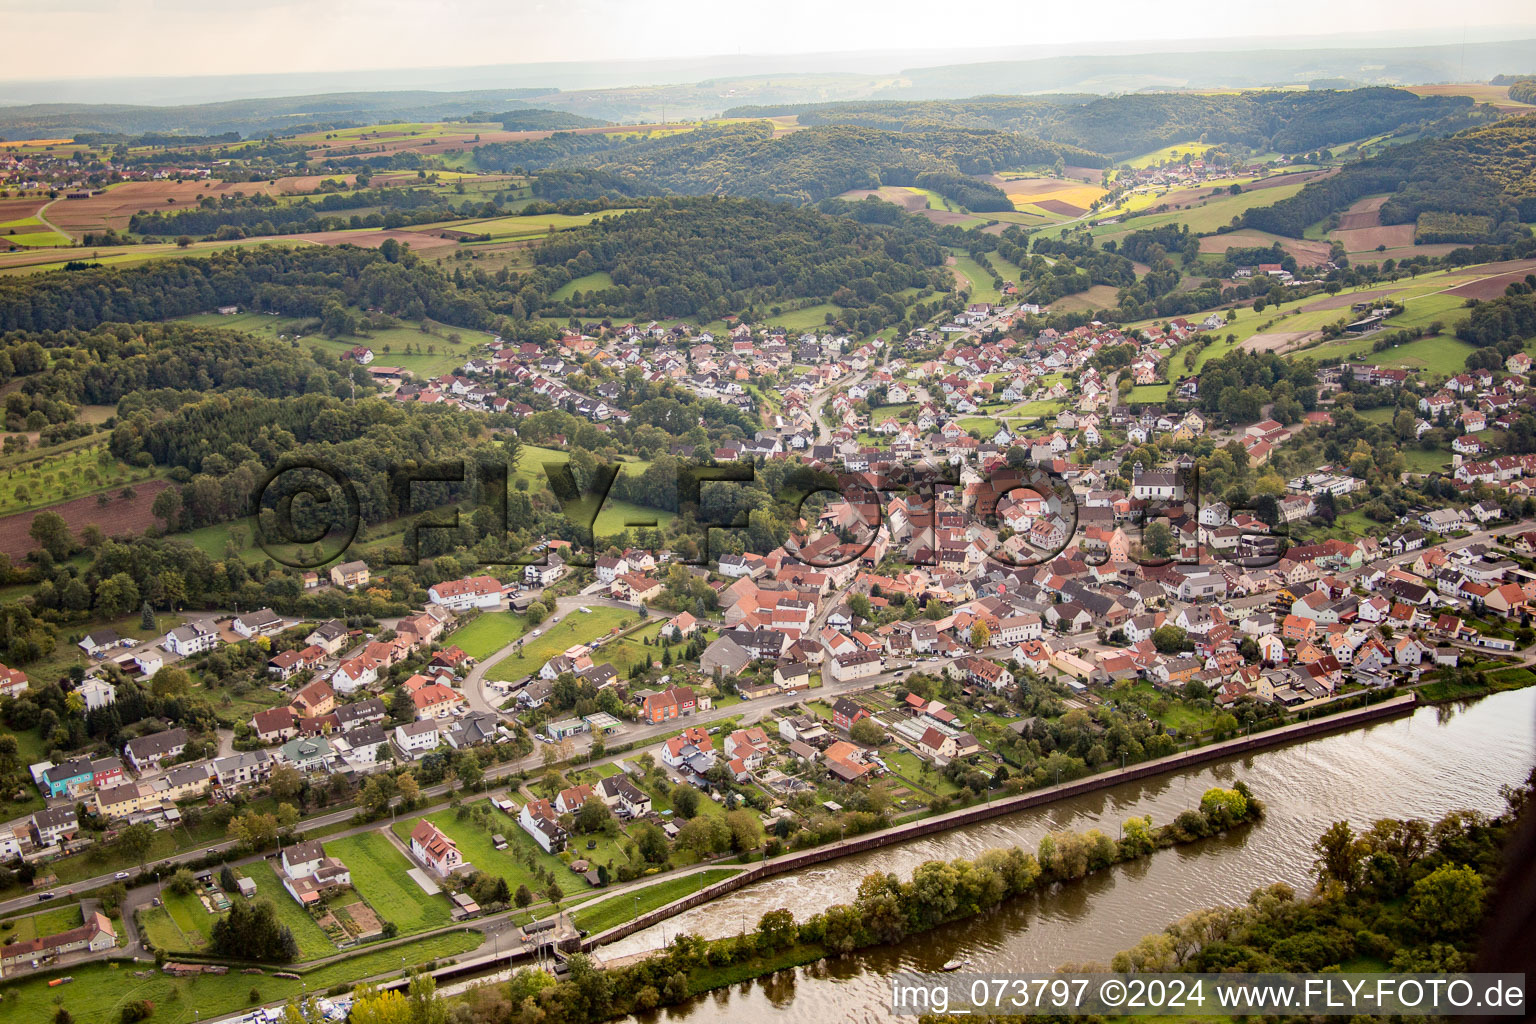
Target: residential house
(350, 575)
(435, 850)
(149, 752)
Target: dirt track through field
(1348, 299)
(1492, 287)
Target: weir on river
(1420, 766)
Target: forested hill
(709, 257)
(1487, 173)
(800, 167)
(1286, 122)
(701, 257)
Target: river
(1420, 765)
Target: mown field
(1204, 217)
(511, 864)
(425, 354)
(503, 228)
(379, 875)
(576, 628)
(48, 476)
(970, 274)
(100, 990)
(607, 913)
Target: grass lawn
(613, 516)
(478, 849)
(445, 357)
(379, 875)
(100, 990)
(40, 478)
(1148, 393)
(984, 425)
(596, 917)
(1187, 720)
(1441, 355)
(575, 628)
(910, 767)
(589, 282)
(49, 922)
(982, 288)
(489, 633)
(1047, 407)
(891, 412)
(179, 923)
(790, 319)
(312, 940)
(1420, 461)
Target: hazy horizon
(189, 39)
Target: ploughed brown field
(1308, 253)
(21, 207)
(1361, 230)
(1492, 287)
(114, 207)
(1057, 206)
(120, 517)
(1365, 213)
(912, 202)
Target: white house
(434, 849)
(544, 575)
(415, 740)
(539, 819)
(97, 693)
(262, 622)
(472, 592)
(190, 639)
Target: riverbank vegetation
(886, 909)
(1399, 896)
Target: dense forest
(1234, 388)
(682, 257)
(709, 257)
(1488, 171)
(1510, 316)
(297, 282)
(799, 167)
(158, 366)
(538, 120)
(236, 216)
(1288, 122)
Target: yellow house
(1071, 664)
(121, 801)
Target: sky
(100, 38)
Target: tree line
(1288, 122)
(886, 909)
(1489, 170)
